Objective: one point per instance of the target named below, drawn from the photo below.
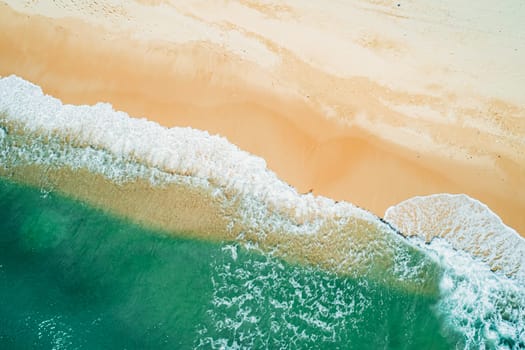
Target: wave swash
(181, 179)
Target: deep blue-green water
(74, 277)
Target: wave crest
(68, 144)
(259, 209)
(467, 224)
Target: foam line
(467, 224)
(462, 240)
(184, 151)
(263, 210)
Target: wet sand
(373, 121)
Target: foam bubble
(259, 302)
(262, 210)
(488, 309)
(483, 286)
(177, 150)
(465, 223)
(57, 333)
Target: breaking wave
(259, 208)
(483, 286)
(456, 246)
(467, 225)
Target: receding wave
(181, 179)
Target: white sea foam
(58, 333)
(283, 308)
(483, 287)
(39, 129)
(465, 223)
(488, 309)
(182, 151)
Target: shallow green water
(74, 277)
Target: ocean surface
(285, 271)
(74, 277)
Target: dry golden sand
(373, 122)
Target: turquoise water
(73, 277)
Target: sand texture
(363, 101)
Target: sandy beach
(368, 102)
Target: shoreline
(209, 88)
(165, 184)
